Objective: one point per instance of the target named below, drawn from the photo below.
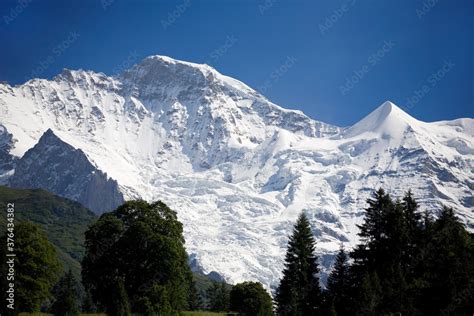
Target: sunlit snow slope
(237, 168)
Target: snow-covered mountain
(237, 168)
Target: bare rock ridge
(7, 160)
(59, 168)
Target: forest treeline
(406, 263)
(135, 262)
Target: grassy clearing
(183, 313)
(203, 314)
(44, 314)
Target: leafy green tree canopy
(251, 299)
(139, 246)
(36, 265)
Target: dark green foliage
(139, 247)
(117, 302)
(405, 264)
(369, 296)
(386, 249)
(412, 243)
(218, 296)
(88, 305)
(373, 249)
(447, 280)
(195, 301)
(66, 294)
(63, 220)
(413, 224)
(36, 268)
(411, 265)
(251, 299)
(203, 285)
(338, 285)
(299, 291)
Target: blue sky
(334, 60)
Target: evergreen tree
(393, 270)
(299, 292)
(369, 295)
(66, 293)
(423, 266)
(338, 285)
(413, 234)
(373, 250)
(251, 299)
(411, 215)
(37, 268)
(448, 274)
(385, 241)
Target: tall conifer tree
(299, 292)
(338, 284)
(448, 268)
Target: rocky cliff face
(7, 160)
(60, 168)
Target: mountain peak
(389, 108)
(388, 119)
(49, 132)
(49, 140)
(164, 73)
(48, 164)
(169, 60)
(160, 62)
(172, 79)
(48, 135)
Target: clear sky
(334, 60)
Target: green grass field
(183, 313)
(44, 314)
(202, 314)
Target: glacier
(237, 168)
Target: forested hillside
(63, 220)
